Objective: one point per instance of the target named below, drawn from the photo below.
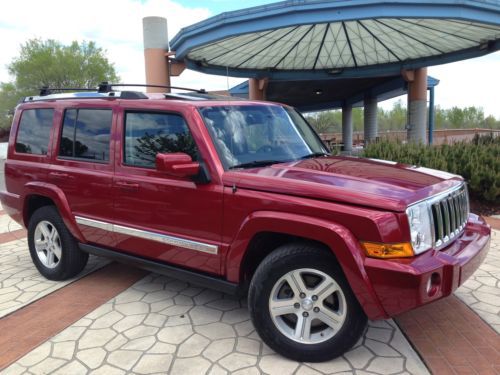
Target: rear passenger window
(147, 134)
(34, 131)
(86, 134)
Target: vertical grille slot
(437, 215)
(446, 219)
(449, 213)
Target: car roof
(194, 99)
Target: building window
(86, 134)
(34, 131)
(147, 134)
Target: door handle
(125, 185)
(59, 174)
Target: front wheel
(302, 305)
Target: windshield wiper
(256, 163)
(314, 155)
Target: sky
(116, 26)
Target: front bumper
(403, 284)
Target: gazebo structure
(341, 93)
(337, 47)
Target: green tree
(50, 63)
(8, 99)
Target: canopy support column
(417, 105)
(431, 115)
(155, 53)
(347, 128)
(257, 88)
(370, 119)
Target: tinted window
(85, 134)
(147, 134)
(249, 134)
(34, 131)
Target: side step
(199, 279)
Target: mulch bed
(484, 208)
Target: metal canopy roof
(318, 38)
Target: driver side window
(147, 134)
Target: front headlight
(419, 219)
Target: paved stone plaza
(162, 325)
(482, 291)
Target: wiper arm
(256, 163)
(315, 155)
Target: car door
(160, 216)
(83, 168)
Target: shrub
(477, 161)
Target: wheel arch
(39, 194)
(279, 228)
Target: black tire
(72, 260)
(274, 267)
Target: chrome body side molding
(153, 236)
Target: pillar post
(155, 53)
(417, 106)
(347, 128)
(257, 88)
(370, 119)
(431, 115)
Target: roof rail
(46, 90)
(104, 90)
(107, 87)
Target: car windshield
(257, 135)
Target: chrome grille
(449, 215)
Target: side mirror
(177, 164)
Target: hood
(366, 182)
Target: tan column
(155, 53)
(417, 105)
(257, 88)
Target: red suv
(241, 196)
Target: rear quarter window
(33, 134)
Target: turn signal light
(388, 250)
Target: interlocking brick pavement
(163, 325)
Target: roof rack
(104, 90)
(107, 87)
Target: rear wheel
(302, 305)
(53, 249)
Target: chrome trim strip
(170, 240)
(153, 236)
(94, 223)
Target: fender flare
(59, 198)
(338, 238)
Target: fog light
(433, 284)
